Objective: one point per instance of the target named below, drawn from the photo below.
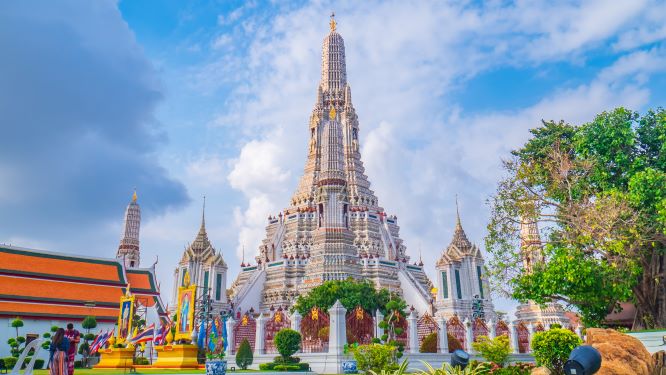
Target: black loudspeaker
(459, 358)
(584, 360)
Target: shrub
(552, 348)
(515, 369)
(375, 357)
(454, 343)
(447, 369)
(266, 366)
(287, 367)
(496, 350)
(141, 361)
(244, 356)
(555, 325)
(429, 344)
(78, 364)
(39, 363)
(10, 362)
(286, 361)
(287, 341)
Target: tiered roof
(48, 285)
(460, 246)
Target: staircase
(250, 294)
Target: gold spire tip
(333, 23)
(134, 197)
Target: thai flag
(100, 341)
(161, 335)
(144, 336)
(95, 341)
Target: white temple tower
(530, 312)
(206, 268)
(334, 227)
(128, 249)
(462, 286)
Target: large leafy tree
(598, 190)
(351, 294)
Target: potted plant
(215, 362)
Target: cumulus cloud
(77, 105)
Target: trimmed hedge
(10, 362)
(39, 364)
(272, 366)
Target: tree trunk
(650, 293)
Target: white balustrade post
(413, 336)
(492, 333)
(443, 335)
(513, 335)
(469, 337)
(378, 330)
(231, 323)
(530, 330)
(296, 321)
(259, 337)
(579, 332)
(337, 333)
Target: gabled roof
(49, 285)
(460, 247)
(202, 250)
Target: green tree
(351, 294)
(88, 323)
(599, 192)
(244, 357)
(287, 342)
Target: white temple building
(334, 227)
(207, 269)
(462, 286)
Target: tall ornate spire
(530, 243)
(201, 242)
(128, 249)
(333, 66)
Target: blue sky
(184, 99)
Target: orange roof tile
(30, 262)
(36, 310)
(40, 289)
(140, 280)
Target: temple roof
(201, 249)
(460, 246)
(51, 285)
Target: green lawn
(86, 371)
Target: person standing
(58, 353)
(74, 338)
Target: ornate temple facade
(462, 286)
(334, 227)
(128, 250)
(206, 268)
(530, 312)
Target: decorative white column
(230, 335)
(259, 338)
(579, 332)
(296, 321)
(379, 317)
(413, 335)
(530, 330)
(443, 335)
(337, 334)
(513, 333)
(469, 337)
(491, 329)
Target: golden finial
(134, 196)
(331, 114)
(332, 23)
